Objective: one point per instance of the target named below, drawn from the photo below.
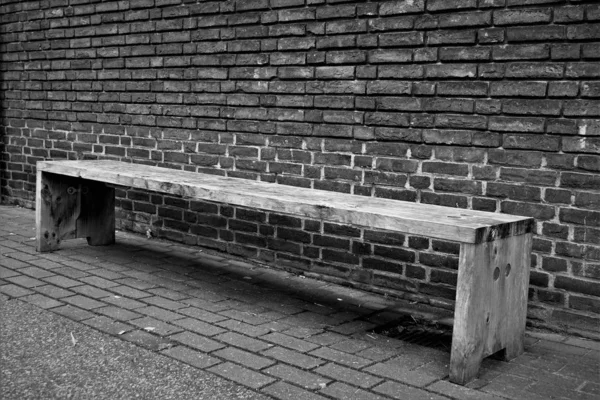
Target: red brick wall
(483, 104)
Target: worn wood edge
(449, 228)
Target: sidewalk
(155, 319)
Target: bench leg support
(68, 208)
(491, 303)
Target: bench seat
(76, 199)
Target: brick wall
(484, 104)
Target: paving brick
(169, 294)
(192, 357)
(120, 314)
(245, 358)
(73, 313)
(200, 327)
(351, 346)
(285, 391)
(108, 325)
(459, 392)
(77, 264)
(99, 282)
(399, 391)
(90, 291)
(244, 342)
(293, 357)
(327, 338)
(25, 281)
(378, 353)
(206, 305)
(204, 315)
(512, 387)
(402, 373)
(302, 332)
(123, 302)
(584, 343)
(144, 339)
(83, 302)
(13, 264)
(129, 292)
(581, 370)
(290, 342)
(341, 357)
(22, 256)
(304, 379)
(164, 303)
(243, 328)
(339, 390)
(44, 263)
(155, 326)
(35, 272)
(41, 301)
(309, 319)
(196, 341)
(244, 376)
(348, 375)
(54, 291)
(14, 290)
(62, 281)
(245, 316)
(7, 273)
(106, 274)
(159, 313)
(135, 283)
(70, 272)
(353, 327)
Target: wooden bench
(73, 200)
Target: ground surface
(153, 319)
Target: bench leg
(96, 220)
(68, 208)
(491, 303)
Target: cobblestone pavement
(275, 334)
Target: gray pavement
(45, 356)
(147, 319)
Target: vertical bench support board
(68, 208)
(491, 303)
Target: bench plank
(461, 225)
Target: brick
(392, 8)
(289, 342)
(61, 281)
(144, 339)
(339, 390)
(292, 357)
(241, 375)
(524, 16)
(83, 302)
(245, 358)
(41, 301)
(304, 379)
(194, 358)
(348, 375)
(243, 342)
(73, 313)
(200, 327)
(25, 281)
(285, 391)
(107, 325)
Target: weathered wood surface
(491, 303)
(69, 207)
(466, 226)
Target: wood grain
(491, 303)
(466, 226)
